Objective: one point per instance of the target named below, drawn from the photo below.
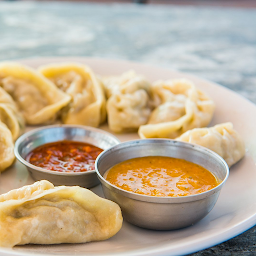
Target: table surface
(215, 43)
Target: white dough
(221, 138)
(43, 214)
(88, 104)
(6, 147)
(37, 98)
(179, 107)
(129, 101)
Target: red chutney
(65, 156)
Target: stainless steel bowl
(31, 140)
(162, 213)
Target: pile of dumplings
(72, 93)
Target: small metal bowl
(37, 137)
(162, 213)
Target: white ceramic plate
(234, 212)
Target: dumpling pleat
(37, 98)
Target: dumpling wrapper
(6, 98)
(10, 115)
(37, 98)
(43, 214)
(88, 105)
(126, 112)
(127, 82)
(130, 101)
(6, 148)
(221, 138)
(180, 107)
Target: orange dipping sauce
(161, 176)
(65, 156)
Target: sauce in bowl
(65, 156)
(161, 176)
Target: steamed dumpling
(180, 107)
(221, 138)
(12, 118)
(43, 214)
(126, 112)
(5, 98)
(10, 115)
(127, 82)
(88, 105)
(129, 104)
(37, 99)
(6, 148)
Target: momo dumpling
(5, 98)
(38, 99)
(10, 116)
(88, 105)
(43, 214)
(126, 83)
(130, 102)
(221, 138)
(179, 107)
(6, 147)
(126, 112)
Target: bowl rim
(39, 169)
(156, 199)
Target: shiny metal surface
(30, 140)
(162, 213)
